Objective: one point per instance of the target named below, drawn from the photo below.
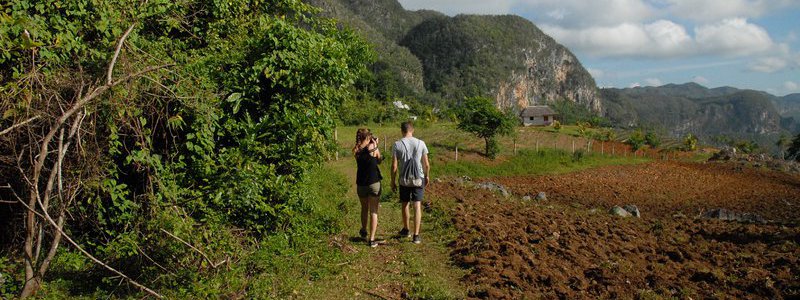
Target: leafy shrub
(690, 143)
(636, 140)
(557, 125)
(577, 156)
(652, 139)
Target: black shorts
(414, 194)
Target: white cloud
(664, 38)
(700, 80)
(658, 39)
(732, 37)
(768, 65)
(635, 85)
(596, 73)
(791, 86)
(653, 82)
(715, 10)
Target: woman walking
(368, 181)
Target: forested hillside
(707, 113)
(440, 60)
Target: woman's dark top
(368, 172)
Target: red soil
(562, 249)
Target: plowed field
(563, 248)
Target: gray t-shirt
(415, 146)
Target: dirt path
(562, 249)
(397, 269)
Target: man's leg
(417, 216)
(405, 215)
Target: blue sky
(741, 43)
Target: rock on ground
(633, 210)
(541, 196)
(728, 215)
(619, 211)
(494, 187)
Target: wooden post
(456, 152)
(384, 144)
(602, 148)
(613, 150)
(515, 146)
(589, 147)
(573, 146)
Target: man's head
(407, 128)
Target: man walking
(411, 168)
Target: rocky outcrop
(548, 79)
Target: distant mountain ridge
(503, 57)
(680, 109)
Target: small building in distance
(540, 115)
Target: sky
(752, 44)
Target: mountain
(680, 109)
(503, 57)
(789, 105)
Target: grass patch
(529, 162)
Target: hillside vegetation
(506, 58)
(707, 113)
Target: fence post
(515, 146)
(384, 144)
(589, 147)
(602, 148)
(336, 140)
(573, 146)
(456, 152)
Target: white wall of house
(537, 121)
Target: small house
(538, 116)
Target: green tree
(690, 143)
(479, 116)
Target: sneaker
(404, 233)
(363, 233)
(416, 239)
(373, 244)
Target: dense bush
(240, 108)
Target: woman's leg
(364, 212)
(373, 212)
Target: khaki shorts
(373, 190)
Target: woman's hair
(361, 135)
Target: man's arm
(394, 172)
(426, 168)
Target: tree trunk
(486, 142)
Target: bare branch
(213, 265)
(9, 129)
(139, 73)
(116, 54)
(96, 260)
